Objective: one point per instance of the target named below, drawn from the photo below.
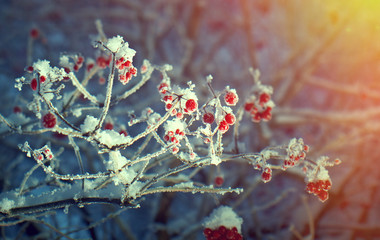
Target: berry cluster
(35, 80)
(222, 233)
(71, 63)
(187, 100)
(260, 105)
(319, 188)
(224, 125)
(174, 133)
(103, 62)
(126, 70)
(266, 175)
(296, 151)
(41, 154)
(224, 116)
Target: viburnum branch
(108, 95)
(192, 190)
(80, 88)
(48, 206)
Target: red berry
(306, 148)
(89, 67)
(49, 120)
(163, 87)
(179, 115)
(168, 106)
(323, 195)
(80, 60)
(266, 176)
(17, 109)
(264, 98)
(123, 132)
(127, 64)
(248, 106)
(102, 80)
(230, 118)
(166, 138)
(108, 126)
(167, 98)
(222, 230)
(207, 232)
(256, 117)
(218, 181)
(34, 33)
(231, 98)
(208, 118)
(223, 126)
(191, 105)
(42, 79)
(133, 71)
(101, 62)
(29, 69)
(267, 115)
(33, 84)
(175, 150)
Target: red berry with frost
(266, 175)
(80, 60)
(306, 148)
(230, 118)
(264, 98)
(163, 87)
(123, 132)
(133, 71)
(33, 84)
(223, 126)
(49, 120)
(175, 150)
(256, 117)
(167, 98)
(42, 79)
(323, 195)
(208, 118)
(29, 69)
(248, 106)
(89, 67)
(231, 98)
(166, 138)
(127, 64)
(168, 106)
(108, 126)
(191, 105)
(266, 114)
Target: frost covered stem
(43, 207)
(163, 175)
(108, 94)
